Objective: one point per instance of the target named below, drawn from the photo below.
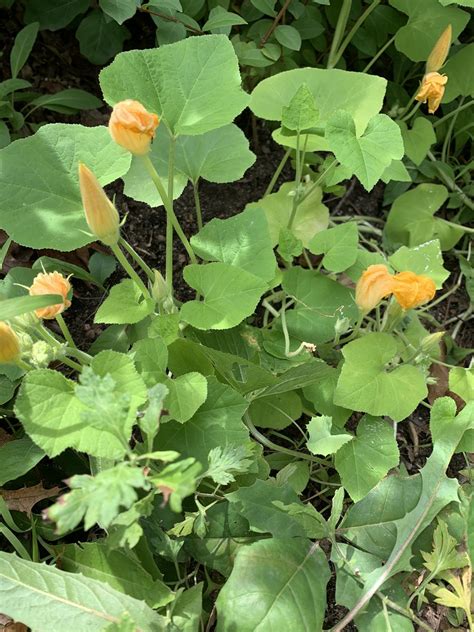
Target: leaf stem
(453, 113)
(136, 257)
(277, 173)
(362, 18)
(121, 258)
(380, 52)
(65, 331)
(197, 204)
(339, 31)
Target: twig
(275, 23)
(171, 18)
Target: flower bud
(432, 90)
(430, 343)
(412, 290)
(375, 284)
(132, 126)
(42, 354)
(51, 283)
(9, 345)
(440, 51)
(101, 215)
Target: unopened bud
(430, 343)
(9, 345)
(440, 51)
(101, 215)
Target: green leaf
(321, 396)
(203, 96)
(100, 38)
(7, 387)
(365, 461)
(267, 7)
(285, 581)
(460, 71)
(187, 609)
(11, 307)
(320, 301)
(151, 359)
(411, 220)
(230, 295)
(11, 85)
(17, 458)
(86, 604)
(257, 504)
(177, 481)
(50, 212)
(220, 18)
(461, 382)
(366, 385)
(217, 423)
(276, 411)
(56, 419)
(242, 241)
(321, 440)
(24, 42)
(118, 568)
(444, 555)
(302, 112)
(289, 246)
(186, 395)
(288, 36)
(427, 19)
(339, 246)
(119, 10)
(360, 95)
(311, 216)
(101, 266)
(367, 154)
(225, 462)
(423, 259)
(54, 14)
(124, 305)
(419, 138)
(97, 499)
(67, 101)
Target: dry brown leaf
(25, 499)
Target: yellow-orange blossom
(9, 344)
(132, 126)
(410, 289)
(51, 283)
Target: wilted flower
(412, 290)
(440, 50)
(9, 345)
(132, 126)
(375, 284)
(101, 215)
(432, 90)
(51, 283)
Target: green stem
(168, 207)
(362, 18)
(169, 221)
(411, 112)
(449, 133)
(197, 204)
(49, 338)
(339, 31)
(317, 182)
(453, 113)
(277, 173)
(380, 52)
(138, 260)
(297, 182)
(65, 331)
(122, 259)
(23, 365)
(454, 187)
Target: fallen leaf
(25, 499)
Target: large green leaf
(368, 154)
(358, 94)
(17, 458)
(364, 461)
(193, 85)
(119, 10)
(186, 394)
(124, 305)
(87, 605)
(242, 241)
(321, 439)
(217, 423)
(320, 301)
(411, 220)
(460, 72)
(365, 383)
(321, 396)
(418, 139)
(311, 216)
(427, 19)
(423, 259)
(56, 419)
(230, 295)
(276, 411)
(339, 246)
(40, 202)
(276, 584)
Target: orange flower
(375, 284)
(51, 283)
(440, 50)
(9, 345)
(132, 126)
(412, 290)
(101, 215)
(432, 90)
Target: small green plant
(206, 442)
